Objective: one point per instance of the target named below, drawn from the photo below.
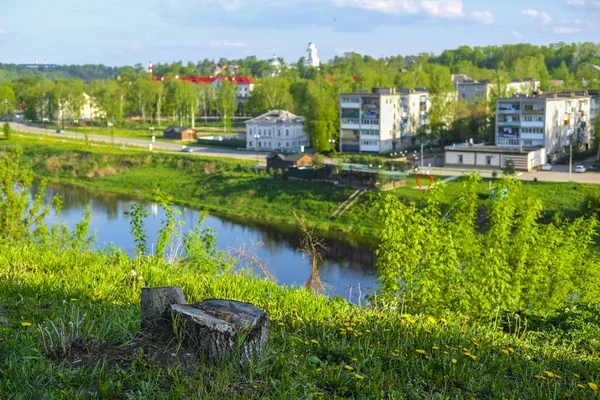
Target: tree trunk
(155, 303)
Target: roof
(465, 147)
(291, 157)
(241, 80)
(276, 116)
(178, 129)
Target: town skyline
(179, 30)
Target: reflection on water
(344, 266)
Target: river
(347, 270)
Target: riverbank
(233, 188)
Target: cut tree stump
(220, 329)
(215, 329)
(155, 303)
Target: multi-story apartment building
(384, 120)
(414, 114)
(547, 121)
(276, 129)
(472, 90)
(369, 122)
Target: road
(199, 151)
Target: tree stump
(220, 329)
(155, 303)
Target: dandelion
(295, 356)
(314, 341)
(255, 387)
(354, 359)
(550, 374)
(349, 329)
(431, 320)
(359, 333)
(443, 321)
(511, 349)
(73, 299)
(360, 377)
(368, 331)
(281, 324)
(543, 378)
(446, 353)
(25, 324)
(473, 357)
(435, 348)
(348, 368)
(420, 351)
(576, 375)
(593, 386)
(319, 369)
(319, 393)
(97, 294)
(505, 351)
(454, 361)
(580, 386)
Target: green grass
(317, 348)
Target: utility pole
(570, 156)
(421, 155)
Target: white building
(275, 65)
(87, 112)
(369, 122)
(547, 121)
(480, 156)
(415, 105)
(312, 59)
(276, 129)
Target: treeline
(310, 92)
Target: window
(287, 144)
(287, 132)
(527, 142)
(460, 158)
(488, 160)
(259, 131)
(279, 132)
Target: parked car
(59, 131)
(580, 168)
(546, 167)
(188, 149)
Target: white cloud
(584, 3)
(225, 43)
(485, 17)
(517, 35)
(565, 30)
(540, 16)
(435, 8)
(3, 32)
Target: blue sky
(126, 32)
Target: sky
(127, 32)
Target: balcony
(350, 123)
(532, 124)
(532, 136)
(507, 142)
(509, 123)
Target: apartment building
(548, 121)
(415, 105)
(369, 121)
(276, 129)
(383, 120)
(471, 90)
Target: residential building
(276, 129)
(460, 78)
(548, 121)
(415, 105)
(179, 133)
(284, 161)
(244, 85)
(480, 156)
(312, 59)
(369, 121)
(472, 90)
(87, 112)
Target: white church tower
(313, 59)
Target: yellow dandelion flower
(465, 350)
(431, 319)
(319, 393)
(593, 386)
(549, 374)
(359, 333)
(540, 377)
(348, 368)
(406, 316)
(295, 356)
(445, 352)
(443, 321)
(25, 324)
(473, 357)
(349, 329)
(576, 375)
(354, 359)
(306, 342)
(73, 299)
(476, 344)
(97, 294)
(580, 386)
(435, 348)
(467, 354)
(314, 341)
(368, 331)
(319, 369)
(281, 324)
(454, 361)
(360, 377)
(511, 349)
(420, 351)
(346, 324)
(505, 351)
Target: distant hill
(87, 73)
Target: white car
(546, 167)
(580, 168)
(187, 149)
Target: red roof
(243, 80)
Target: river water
(347, 270)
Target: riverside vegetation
(69, 315)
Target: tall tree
(226, 103)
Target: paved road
(201, 151)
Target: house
(180, 133)
(550, 121)
(285, 160)
(481, 156)
(276, 129)
(472, 90)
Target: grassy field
(317, 348)
(233, 187)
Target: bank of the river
(234, 188)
